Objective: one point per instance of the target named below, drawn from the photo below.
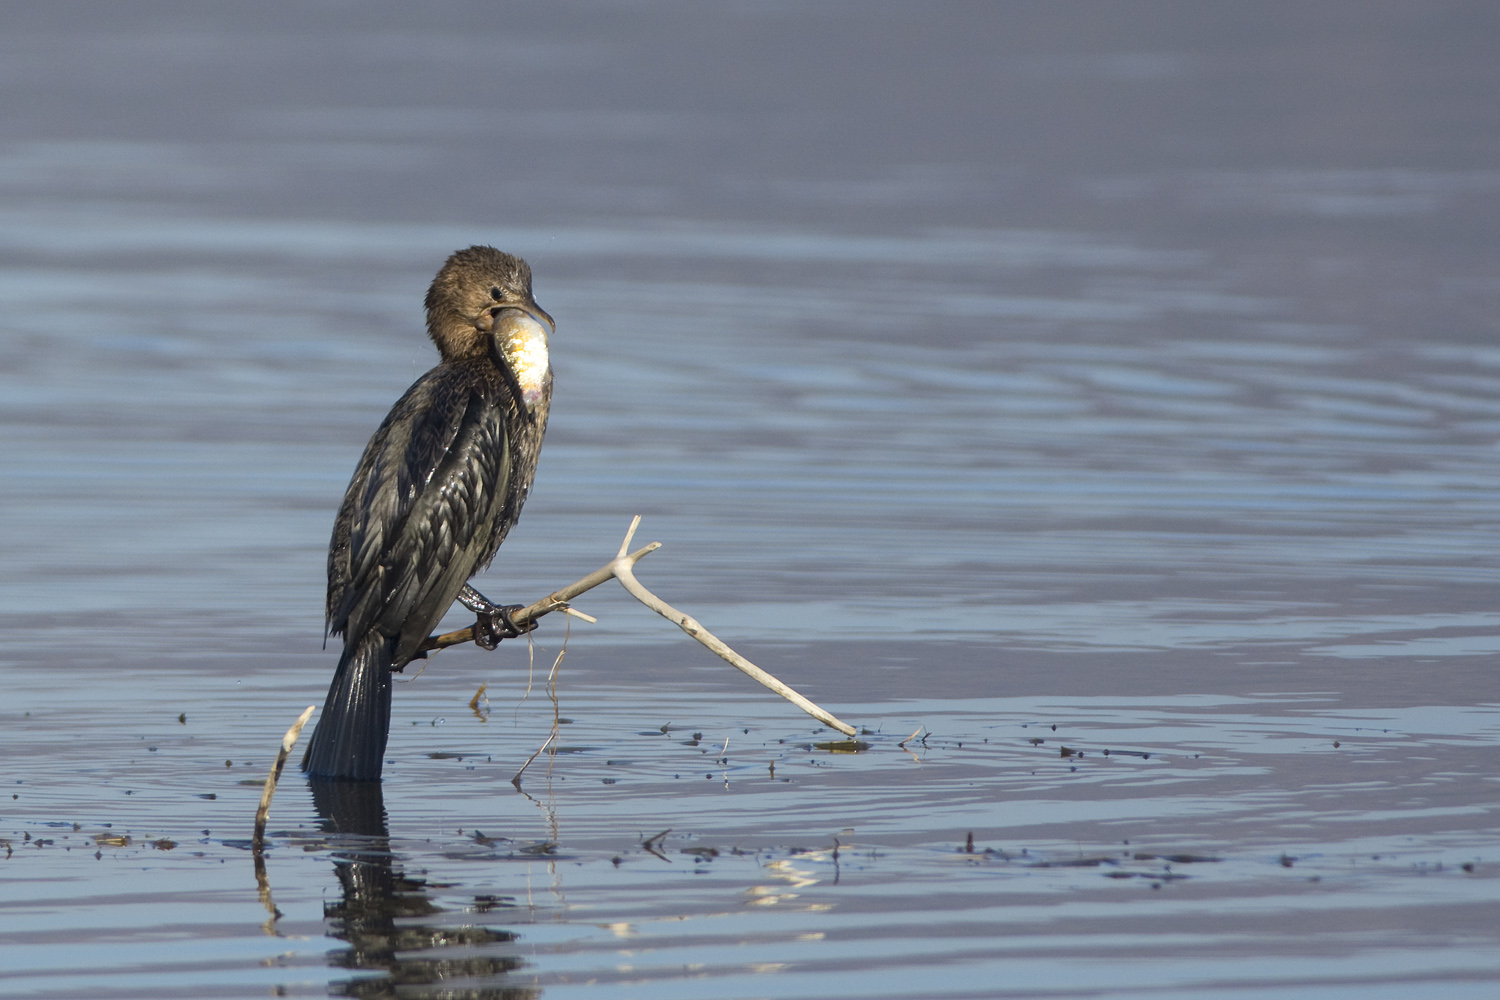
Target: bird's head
(480, 304)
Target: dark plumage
(440, 484)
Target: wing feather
(421, 512)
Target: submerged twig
(258, 842)
(516, 778)
(651, 844)
(482, 714)
(908, 749)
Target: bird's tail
(349, 743)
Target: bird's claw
(493, 625)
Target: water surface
(1100, 411)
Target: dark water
(1107, 394)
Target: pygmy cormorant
(439, 485)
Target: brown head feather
(460, 301)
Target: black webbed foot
(495, 623)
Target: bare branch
(622, 568)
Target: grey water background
(1043, 379)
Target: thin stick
(556, 715)
(623, 571)
(258, 842)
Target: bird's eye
(495, 294)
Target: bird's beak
(487, 319)
(538, 313)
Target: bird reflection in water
(392, 926)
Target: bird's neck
(457, 339)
